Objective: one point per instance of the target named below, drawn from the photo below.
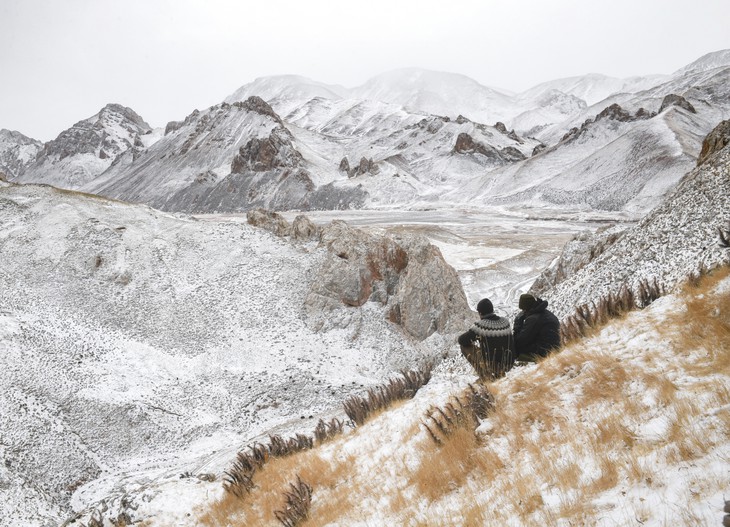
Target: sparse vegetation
(358, 408)
(596, 314)
(555, 442)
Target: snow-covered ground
(629, 426)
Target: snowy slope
(131, 336)
(626, 426)
(675, 240)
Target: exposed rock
(260, 106)
(715, 141)
(273, 152)
(614, 113)
(465, 144)
(3, 178)
(302, 228)
(345, 165)
(173, 126)
(676, 100)
(408, 275)
(512, 154)
(501, 128)
(364, 167)
(539, 148)
(268, 220)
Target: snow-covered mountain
(16, 152)
(406, 139)
(88, 148)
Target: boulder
(715, 141)
(407, 276)
(302, 228)
(271, 221)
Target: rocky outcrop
(302, 228)
(465, 144)
(612, 113)
(408, 276)
(715, 141)
(269, 153)
(365, 166)
(258, 105)
(502, 129)
(676, 100)
(269, 220)
(96, 135)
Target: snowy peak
(592, 88)
(88, 148)
(437, 93)
(286, 92)
(16, 152)
(716, 59)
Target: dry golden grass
(577, 447)
(705, 325)
(445, 468)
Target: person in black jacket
(488, 345)
(536, 330)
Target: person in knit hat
(489, 344)
(536, 330)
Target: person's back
(489, 344)
(536, 329)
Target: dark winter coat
(489, 346)
(537, 331)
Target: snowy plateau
(158, 320)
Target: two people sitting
(491, 346)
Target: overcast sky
(63, 60)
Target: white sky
(63, 60)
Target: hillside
(675, 240)
(628, 425)
(132, 338)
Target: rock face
(465, 144)
(270, 153)
(408, 276)
(715, 141)
(676, 100)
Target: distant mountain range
(408, 139)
